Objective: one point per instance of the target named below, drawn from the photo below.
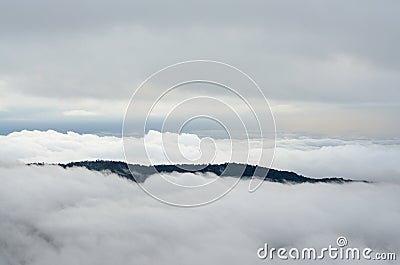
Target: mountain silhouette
(223, 170)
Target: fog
(50, 215)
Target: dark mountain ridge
(223, 170)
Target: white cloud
(357, 159)
(49, 215)
(353, 160)
(53, 147)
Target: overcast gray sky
(330, 67)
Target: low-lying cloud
(357, 159)
(50, 215)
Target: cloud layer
(49, 215)
(338, 61)
(358, 159)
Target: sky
(327, 68)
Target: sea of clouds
(313, 157)
(50, 215)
